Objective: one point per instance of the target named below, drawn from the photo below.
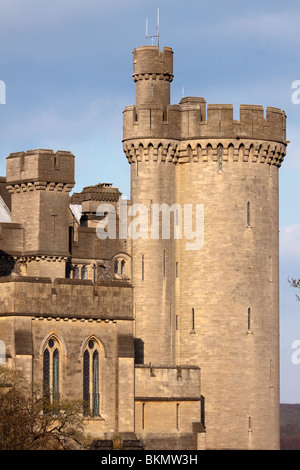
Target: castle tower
(224, 290)
(228, 301)
(149, 144)
(39, 182)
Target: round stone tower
(211, 301)
(228, 296)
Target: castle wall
(65, 298)
(11, 238)
(173, 395)
(44, 266)
(34, 310)
(16, 335)
(228, 302)
(88, 245)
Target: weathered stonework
(169, 348)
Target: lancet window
(51, 370)
(91, 379)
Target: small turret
(152, 116)
(152, 73)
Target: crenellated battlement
(154, 121)
(192, 119)
(155, 130)
(40, 169)
(193, 130)
(253, 124)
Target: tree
(295, 283)
(29, 422)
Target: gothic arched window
(46, 374)
(95, 385)
(91, 379)
(86, 382)
(51, 368)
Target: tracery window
(51, 370)
(91, 377)
(119, 266)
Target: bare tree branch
(28, 421)
(295, 283)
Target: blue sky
(67, 66)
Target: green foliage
(29, 422)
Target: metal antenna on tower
(157, 30)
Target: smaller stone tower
(39, 182)
(148, 136)
(152, 74)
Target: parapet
(167, 381)
(194, 120)
(152, 122)
(65, 298)
(253, 123)
(40, 166)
